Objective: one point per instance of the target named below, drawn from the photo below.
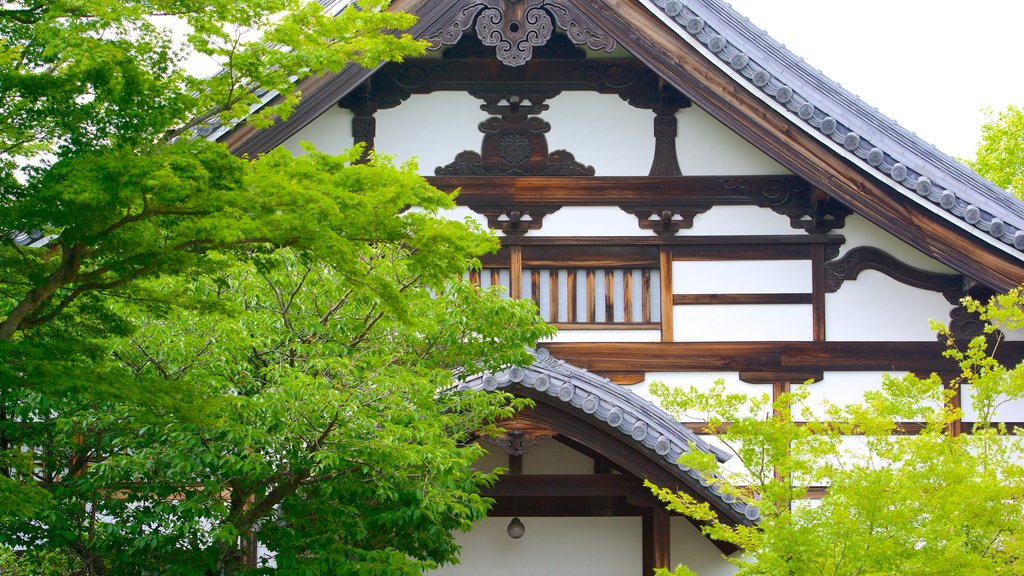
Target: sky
(931, 65)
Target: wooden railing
(585, 298)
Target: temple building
(686, 200)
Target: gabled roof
(789, 110)
(633, 418)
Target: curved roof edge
(823, 108)
(636, 419)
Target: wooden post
(666, 294)
(515, 272)
(818, 291)
(656, 539)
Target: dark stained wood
(560, 485)
(535, 286)
(595, 254)
(553, 296)
(867, 258)
(623, 378)
(607, 326)
(609, 296)
(656, 539)
(627, 296)
(780, 376)
(741, 298)
(765, 356)
(495, 277)
(667, 334)
(645, 301)
(474, 277)
(818, 292)
(515, 275)
(570, 295)
(515, 464)
(591, 297)
(832, 241)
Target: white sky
(931, 65)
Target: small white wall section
(741, 277)
(603, 131)
(1006, 411)
(432, 128)
(842, 389)
(552, 457)
(859, 232)
(689, 547)
(702, 381)
(743, 322)
(876, 307)
(598, 546)
(706, 147)
(331, 133)
(590, 221)
(733, 220)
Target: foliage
(210, 347)
(934, 502)
(1000, 155)
(293, 394)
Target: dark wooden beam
(697, 299)
(564, 485)
(765, 356)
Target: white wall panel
(842, 389)
(707, 147)
(602, 131)
(331, 133)
(859, 232)
(590, 221)
(741, 277)
(742, 323)
(702, 381)
(552, 457)
(598, 546)
(733, 220)
(1007, 411)
(431, 127)
(876, 307)
(688, 546)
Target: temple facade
(686, 200)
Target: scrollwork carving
(516, 27)
(868, 258)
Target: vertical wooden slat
(818, 291)
(495, 277)
(591, 296)
(474, 277)
(645, 295)
(535, 286)
(666, 294)
(570, 296)
(553, 286)
(515, 271)
(627, 295)
(609, 296)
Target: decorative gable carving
(516, 27)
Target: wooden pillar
(656, 539)
(818, 291)
(666, 294)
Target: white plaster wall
(606, 336)
(859, 232)
(602, 131)
(688, 546)
(552, 457)
(707, 147)
(742, 322)
(702, 381)
(733, 220)
(842, 389)
(431, 127)
(494, 458)
(1007, 411)
(591, 221)
(600, 546)
(741, 277)
(331, 133)
(462, 213)
(876, 307)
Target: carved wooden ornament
(515, 27)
